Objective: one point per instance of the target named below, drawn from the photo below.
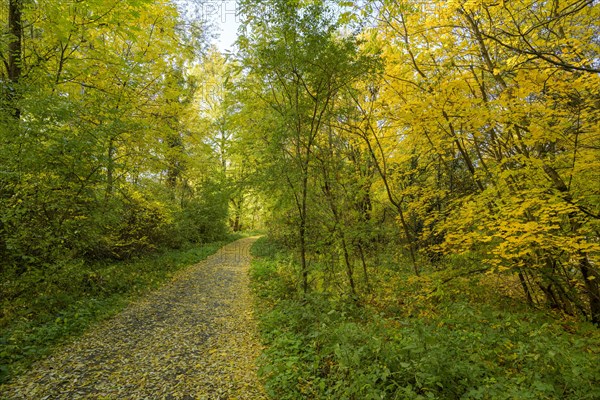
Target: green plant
(323, 346)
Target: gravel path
(193, 339)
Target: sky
(221, 15)
(226, 22)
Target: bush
(325, 347)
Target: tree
(94, 164)
(297, 63)
(507, 90)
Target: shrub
(325, 347)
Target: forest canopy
(425, 129)
(429, 161)
(102, 154)
(442, 129)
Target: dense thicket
(401, 343)
(105, 156)
(99, 145)
(431, 170)
(431, 132)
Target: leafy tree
(507, 90)
(297, 63)
(95, 134)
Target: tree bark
(15, 50)
(590, 275)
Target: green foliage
(485, 144)
(96, 140)
(272, 280)
(204, 218)
(324, 347)
(265, 247)
(43, 308)
(95, 164)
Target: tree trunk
(591, 284)
(110, 169)
(525, 288)
(381, 169)
(302, 232)
(590, 275)
(15, 49)
(349, 269)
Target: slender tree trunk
(591, 285)
(338, 224)
(302, 232)
(397, 204)
(349, 269)
(525, 288)
(590, 275)
(15, 50)
(175, 163)
(110, 169)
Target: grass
(43, 309)
(407, 341)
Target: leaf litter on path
(195, 338)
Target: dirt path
(193, 339)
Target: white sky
(226, 22)
(221, 15)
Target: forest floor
(195, 338)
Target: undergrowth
(440, 345)
(41, 312)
